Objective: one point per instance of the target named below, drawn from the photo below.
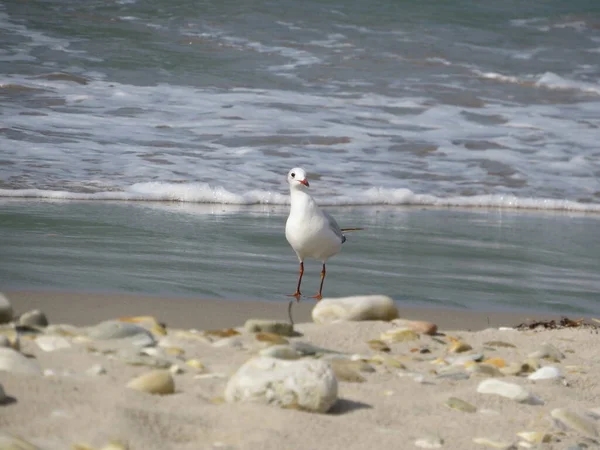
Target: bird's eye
(293, 175)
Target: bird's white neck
(301, 202)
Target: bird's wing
(333, 225)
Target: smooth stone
(271, 338)
(347, 370)
(429, 442)
(494, 444)
(269, 326)
(148, 322)
(459, 347)
(548, 351)
(464, 359)
(484, 369)
(454, 375)
(34, 318)
(534, 437)
(117, 330)
(234, 341)
(95, 370)
(304, 384)
(15, 362)
(196, 364)
(546, 373)
(460, 405)
(580, 424)
(356, 308)
(388, 361)
(499, 344)
(6, 311)
(158, 382)
(509, 390)
(399, 335)
(378, 346)
(307, 349)
(281, 352)
(418, 326)
(50, 343)
(497, 362)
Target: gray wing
(333, 226)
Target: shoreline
(84, 308)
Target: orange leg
(319, 296)
(297, 294)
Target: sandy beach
(395, 388)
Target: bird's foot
(317, 296)
(296, 295)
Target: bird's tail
(346, 230)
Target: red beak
(304, 182)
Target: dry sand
(392, 409)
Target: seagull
(312, 232)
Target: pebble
(429, 442)
(96, 370)
(50, 343)
(459, 347)
(176, 369)
(6, 311)
(378, 346)
(308, 349)
(281, 352)
(460, 405)
(534, 437)
(356, 308)
(509, 390)
(499, 344)
(494, 444)
(497, 362)
(399, 335)
(156, 382)
(305, 384)
(148, 322)
(388, 361)
(547, 351)
(546, 373)
(34, 318)
(484, 369)
(574, 421)
(124, 331)
(234, 341)
(271, 338)
(347, 370)
(269, 326)
(15, 362)
(196, 364)
(418, 326)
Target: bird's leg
(323, 273)
(297, 294)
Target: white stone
(508, 390)
(95, 370)
(546, 373)
(429, 442)
(357, 308)
(52, 343)
(305, 384)
(15, 362)
(123, 331)
(571, 419)
(6, 311)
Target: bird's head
(297, 178)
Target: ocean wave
(207, 194)
(548, 80)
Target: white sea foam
(206, 194)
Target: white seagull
(311, 232)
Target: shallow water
(480, 259)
